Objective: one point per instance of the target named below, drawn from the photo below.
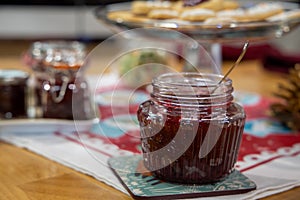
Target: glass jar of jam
(188, 133)
(13, 95)
(61, 90)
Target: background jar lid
(12, 76)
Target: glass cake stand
(208, 36)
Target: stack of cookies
(206, 11)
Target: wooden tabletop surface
(28, 176)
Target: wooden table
(28, 176)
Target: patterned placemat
(143, 185)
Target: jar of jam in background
(13, 93)
(61, 90)
(189, 135)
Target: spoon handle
(237, 62)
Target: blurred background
(25, 21)
(40, 19)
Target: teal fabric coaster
(141, 184)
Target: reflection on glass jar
(13, 95)
(60, 83)
(189, 135)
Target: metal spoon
(237, 62)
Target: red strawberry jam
(189, 135)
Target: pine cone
(288, 112)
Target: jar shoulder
(232, 110)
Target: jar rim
(39, 48)
(58, 54)
(190, 79)
(192, 89)
(9, 76)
